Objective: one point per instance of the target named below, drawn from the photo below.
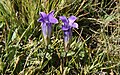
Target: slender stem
(65, 59)
(61, 65)
(61, 61)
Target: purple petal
(74, 25)
(64, 19)
(49, 29)
(40, 20)
(43, 15)
(67, 35)
(52, 12)
(51, 18)
(44, 29)
(71, 19)
(64, 28)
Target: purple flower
(67, 28)
(47, 20)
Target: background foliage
(95, 47)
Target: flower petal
(49, 29)
(74, 25)
(40, 20)
(43, 15)
(52, 13)
(64, 28)
(51, 18)
(64, 20)
(44, 29)
(67, 35)
(71, 19)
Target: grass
(95, 44)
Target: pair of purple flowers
(48, 19)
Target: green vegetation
(95, 46)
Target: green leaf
(63, 54)
(1, 65)
(14, 34)
(1, 25)
(9, 36)
(48, 56)
(44, 64)
(70, 53)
